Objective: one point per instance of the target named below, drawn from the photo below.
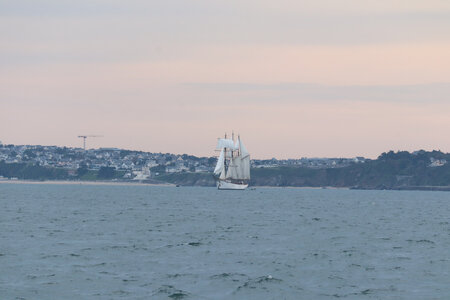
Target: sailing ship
(232, 171)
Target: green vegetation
(391, 170)
(106, 173)
(188, 179)
(90, 175)
(158, 169)
(36, 172)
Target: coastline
(70, 182)
(126, 183)
(301, 187)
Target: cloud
(306, 92)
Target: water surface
(141, 242)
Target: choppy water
(141, 242)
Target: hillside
(401, 170)
(392, 170)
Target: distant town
(138, 165)
(419, 170)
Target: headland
(402, 170)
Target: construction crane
(85, 137)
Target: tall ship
(232, 171)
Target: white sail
(244, 152)
(233, 169)
(239, 167)
(226, 143)
(245, 165)
(220, 163)
(222, 175)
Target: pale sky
(322, 78)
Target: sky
(295, 79)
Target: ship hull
(226, 185)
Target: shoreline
(300, 187)
(126, 183)
(84, 182)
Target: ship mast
(225, 157)
(239, 140)
(232, 138)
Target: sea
(84, 241)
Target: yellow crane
(85, 137)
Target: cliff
(400, 170)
